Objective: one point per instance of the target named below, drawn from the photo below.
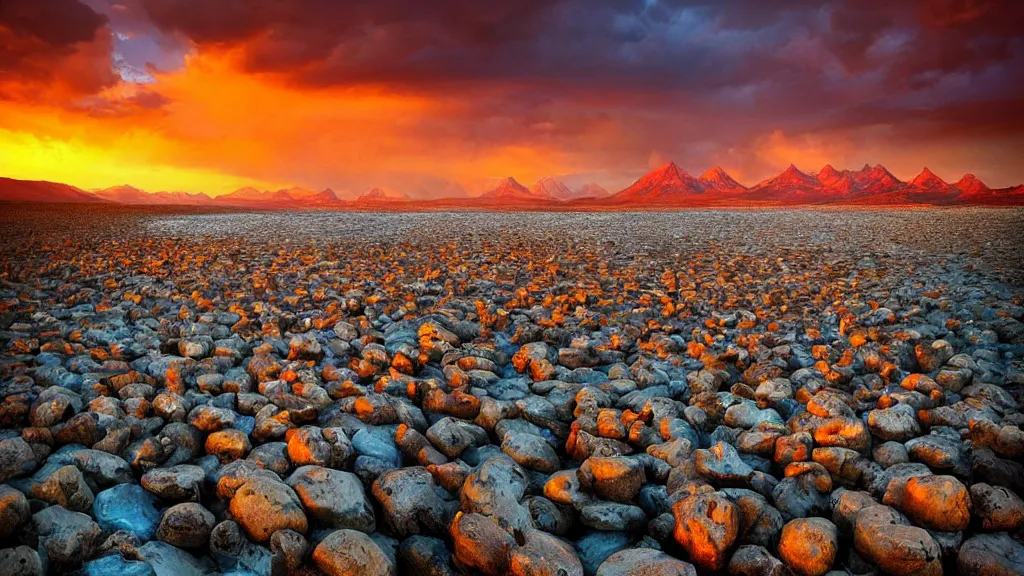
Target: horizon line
(497, 180)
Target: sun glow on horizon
(27, 157)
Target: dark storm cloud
(597, 43)
(930, 38)
(56, 24)
(654, 44)
(689, 79)
(46, 41)
(805, 65)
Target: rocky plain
(803, 392)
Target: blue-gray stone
(168, 560)
(127, 507)
(245, 424)
(378, 442)
(115, 565)
(596, 546)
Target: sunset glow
(194, 96)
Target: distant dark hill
(131, 195)
(12, 190)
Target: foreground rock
(884, 538)
(349, 552)
(707, 526)
(809, 545)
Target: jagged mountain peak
(971, 184)
(552, 187)
(510, 188)
(927, 178)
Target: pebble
(809, 545)
(350, 552)
(334, 498)
(67, 537)
(707, 525)
(127, 507)
(263, 506)
(644, 562)
(186, 525)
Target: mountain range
(667, 186)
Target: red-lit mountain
(974, 191)
(927, 188)
(717, 181)
(831, 185)
(247, 194)
(927, 180)
(181, 198)
(791, 185)
(130, 195)
(552, 188)
(298, 194)
(325, 196)
(376, 195)
(12, 190)
(874, 180)
(666, 187)
(124, 194)
(970, 186)
(283, 198)
(665, 184)
(837, 182)
(509, 189)
(591, 190)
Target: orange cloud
(217, 129)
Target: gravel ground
(738, 392)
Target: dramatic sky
(430, 97)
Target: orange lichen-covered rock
(843, 432)
(881, 537)
(416, 446)
(352, 553)
(542, 554)
(997, 507)
(706, 526)
(480, 544)
(937, 502)
(618, 479)
(695, 349)
(228, 445)
(808, 546)
(458, 404)
(263, 506)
